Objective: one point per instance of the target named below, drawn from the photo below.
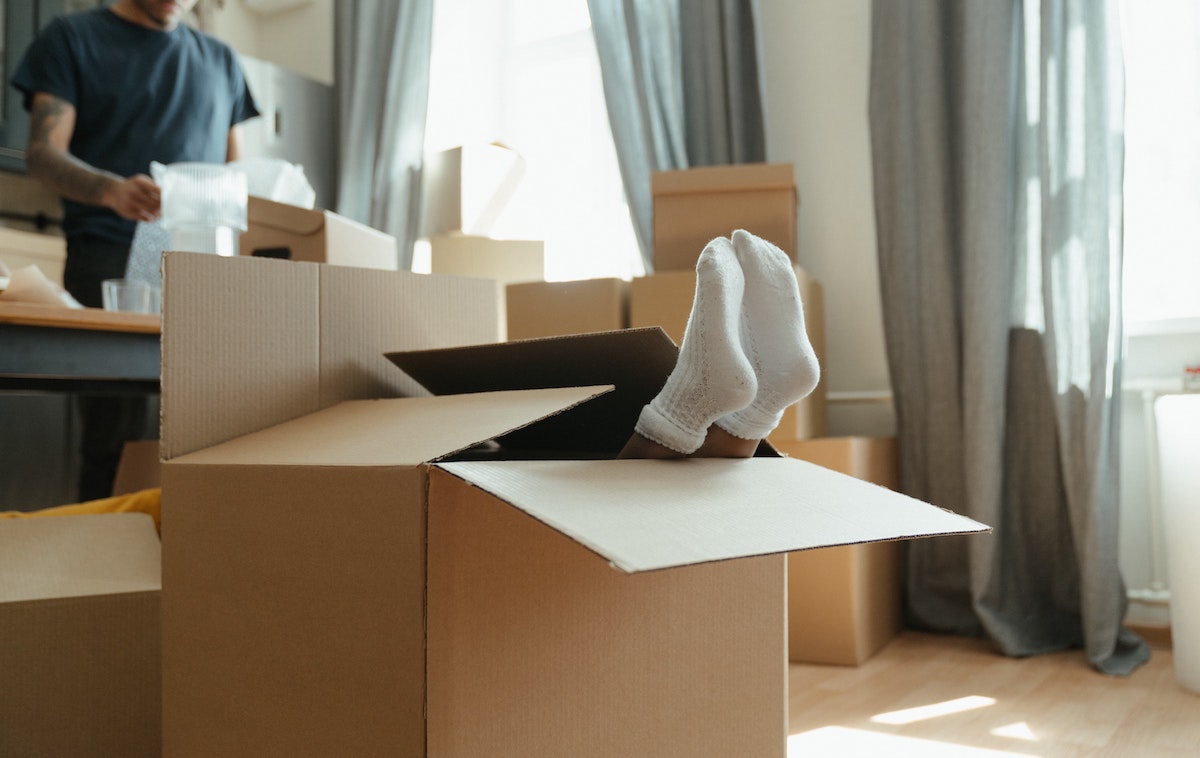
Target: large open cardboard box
(79, 636)
(399, 575)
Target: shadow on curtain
(382, 70)
(998, 160)
(682, 89)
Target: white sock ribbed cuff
(653, 425)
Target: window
(525, 73)
(1162, 162)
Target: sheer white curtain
(382, 72)
(997, 150)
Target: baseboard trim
(1155, 635)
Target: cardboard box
(665, 299)
(79, 624)
(46, 251)
(505, 261)
(551, 309)
(466, 189)
(845, 603)
(365, 590)
(693, 206)
(278, 230)
(502, 261)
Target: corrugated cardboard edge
(643, 515)
(78, 556)
(251, 342)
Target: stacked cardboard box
(845, 603)
(464, 193)
(337, 580)
(551, 309)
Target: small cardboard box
(466, 189)
(502, 261)
(551, 309)
(665, 299)
(408, 575)
(845, 603)
(695, 205)
(279, 230)
(79, 636)
(505, 261)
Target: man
(109, 90)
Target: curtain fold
(997, 156)
(682, 87)
(382, 71)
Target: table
(48, 348)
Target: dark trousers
(107, 421)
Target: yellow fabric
(145, 501)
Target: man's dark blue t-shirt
(140, 95)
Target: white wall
(297, 35)
(815, 59)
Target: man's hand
(136, 198)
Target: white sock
(773, 336)
(712, 376)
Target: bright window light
(1162, 160)
(525, 73)
(921, 713)
(1017, 731)
(843, 741)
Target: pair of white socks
(745, 355)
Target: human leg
(106, 421)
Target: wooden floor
(931, 696)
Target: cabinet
(20, 21)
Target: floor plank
(932, 695)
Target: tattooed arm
(48, 158)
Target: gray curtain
(682, 86)
(998, 160)
(382, 70)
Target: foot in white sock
(773, 336)
(712, 376)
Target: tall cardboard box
(79, 637)
(845, 603)
(692, 206)
(279, 230)
(386, 577)
(664, 299)
(551, 309)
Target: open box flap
(75, 556)
(636, 362)
(284, 217)
(394, 431)
(643, 515)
